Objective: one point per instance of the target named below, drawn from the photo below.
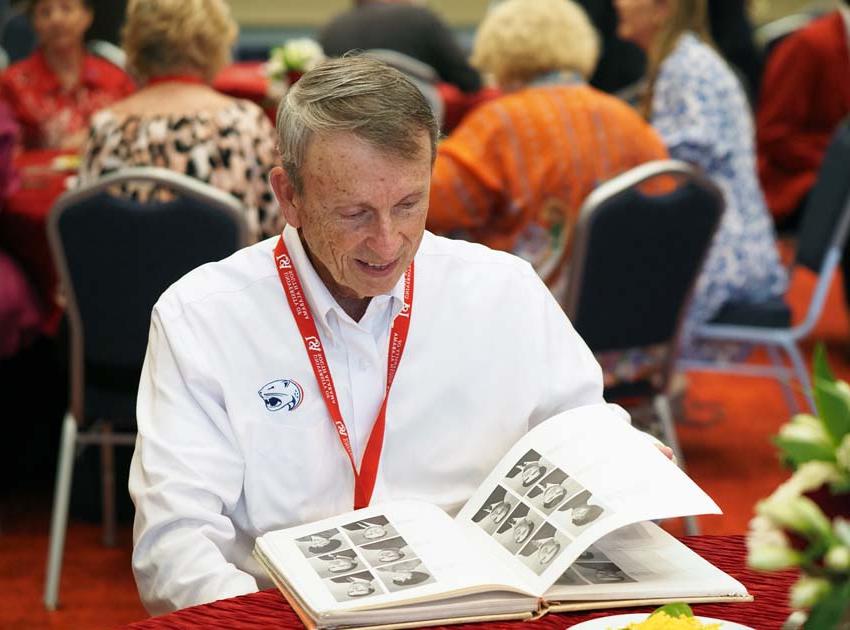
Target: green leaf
(676, 609)
(833, 402)
(829, 612)
(798, 452)
(821, 367)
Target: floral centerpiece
(805, 523)
(288, 62)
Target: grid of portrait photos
(363, 558)
(536, 510)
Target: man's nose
(386, 238)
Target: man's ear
(287, 198)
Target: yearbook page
(568, 482)
(641, 561)
(381, 556)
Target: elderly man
(406, 364)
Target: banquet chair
(820, 243)
(114, 257)
(636, 257)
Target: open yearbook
(563, 522)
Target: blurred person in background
(54, 92)
(805, 96)
(177, 121)
(405, 27)
(515, 172)
(698, 106)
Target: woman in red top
(54, 92)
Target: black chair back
(116, 256)
(637, 256)
(825, 218)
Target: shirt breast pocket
(293, 472)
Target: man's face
(530, 473)
(388, 555)
(552, 494)
(359, 589)
(361, 212)
(522, 530)
(548, 550)
(340, 564)
(374, 531)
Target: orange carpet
(731, 459)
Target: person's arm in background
(185, 477)
(448, 59)
(466, 182)
(784, 133)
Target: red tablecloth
(247, 80)
(23, 222)
(268, 609)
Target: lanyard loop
(364, 480)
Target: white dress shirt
(489, 354)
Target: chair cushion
(773, 313)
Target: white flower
(808, 476)
(805, 427)
(842, 530)
(302, 54)
(808, 591)
(842, 453)
(838, 558)
(768, 546)
(797, 513)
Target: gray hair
(356, 94)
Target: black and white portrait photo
(495, 510)
(386, 551)
(336, 563)
(576, 513)
(320, 543)
(545, 545)
(553, 490)
(405, 574)
(529, 469)
(369, 530)
(354, 586)
(517, 529)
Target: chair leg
(107, 475)
(784, 381)
(800, 371)
(665, 414)
(59, 517)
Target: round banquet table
(268, 609)
(246, 79)
(23, 224)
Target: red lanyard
(364, 481)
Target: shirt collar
(322, 303)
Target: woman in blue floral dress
(698, 106)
